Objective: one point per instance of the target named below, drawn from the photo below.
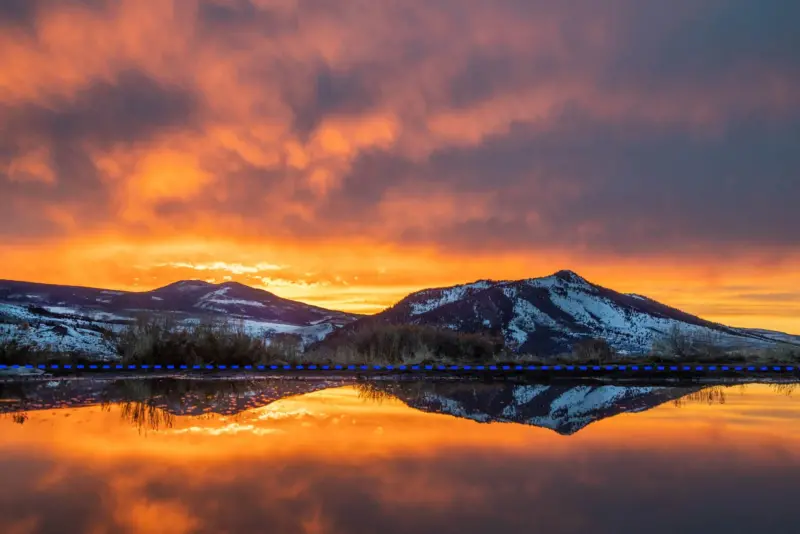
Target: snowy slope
(74, 318)
(550, 314)
(771, 334)
(67, 333)
(431, 299)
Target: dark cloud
(640, 187)
(235, 12)
(486, 74)
(132, 109)
(691, 42)
(17, 12)
(22, 13)
(225, 21)
(79, 190)
(330, 93)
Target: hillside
(548, 315)
(74, 318)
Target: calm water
(183, 456)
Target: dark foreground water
(180, 456)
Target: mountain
(73, 318)
(543, 316)
(550, 314)
(780, 337)
(565, 409)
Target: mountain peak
(570, 276)
(187, 284)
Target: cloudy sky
(346, 152)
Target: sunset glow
(345, 154)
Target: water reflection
(565, 408)
(299, 457)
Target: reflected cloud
(617, 478)
(232, 428)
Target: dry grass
(162, 340)
(593, 351)
(710, 395)
(406, 344)
(145, 400)
(755, 357)
(15, 351)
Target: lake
(338, 456)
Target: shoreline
(603, 375)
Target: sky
(346, 153)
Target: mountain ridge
(72, 317)
(540, 315)
(548, 315)
(38, 292)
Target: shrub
(407, 344)
(15, 352)
(782, 352)
(162, 340)
(593, 351)
(674, 344)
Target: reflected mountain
(563, 408)
(154, 403)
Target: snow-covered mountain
(562, 408)
(565, 409)
(74, 318)
(550, 314)
(541, 316)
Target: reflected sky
(335, 461)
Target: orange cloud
(398, 146)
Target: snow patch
(442, 297)
(61, 310)
(218, 301)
